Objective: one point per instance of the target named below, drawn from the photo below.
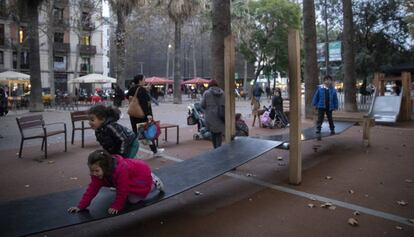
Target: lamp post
(168, 60)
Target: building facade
(71, 40)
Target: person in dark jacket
(145, 103)
(119, 96)
(113, 137)
(325, 101)
(3, 102)
(213, 97)
(277, 105)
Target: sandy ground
(375, 178)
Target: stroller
(196, 116)
(273, 119)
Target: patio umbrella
(11, 76)
(93, 78)
(157, 81)
(196, 80)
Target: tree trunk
(120, 48)
(36, 104)
(349, 59)
(311, 65)
(177, 63)
(194, 60)
(51, 65)
(245, 86)
(221, 27)
(77, 54)
(18, 49)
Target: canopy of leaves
(267, 45)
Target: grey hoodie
(212, 98)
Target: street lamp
(168, 60)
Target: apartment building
(72, 26)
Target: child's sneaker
(158, 183)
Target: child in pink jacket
(132, 179)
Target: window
(86, 40)
(59, 59)
(58, 37)
(2, 34)
(24, 60)
(1, 58)
(58, 13)
(22, 34)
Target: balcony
(61, 47)
(87, 49)
(60, 23)
(59, 66)
(86, 68)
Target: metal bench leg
(178, 135)
(66, 146)
(45, 139)
(21, 148)
(83, 138)
(73, 135)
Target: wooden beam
(229, 62)
(406, 107)
(295, 155)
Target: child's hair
(238, 116)
(102, 112)
(138, 78)
(103, 159)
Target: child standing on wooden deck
(113, 137)
(132, 179)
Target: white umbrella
(93, 78)
(11, 75)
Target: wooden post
(379, 83)
(295, 156)
(406, 108)
(229, 87)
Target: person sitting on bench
(132, 179)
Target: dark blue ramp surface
(310, 133)
(48, 212)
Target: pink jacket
(130, 176)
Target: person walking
(325, 101)
(257, 91)
(119, 96)
(212, 99)
(277, 105)
(145, 103)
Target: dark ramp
(48, 212)
(309, 133)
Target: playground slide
(385, 109)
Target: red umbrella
(157, 81)
(196, 80)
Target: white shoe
(160, 151)
(158, 183)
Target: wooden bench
(364, 120)
(166, 126)
(34, 127)
(79, 117)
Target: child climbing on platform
(132, 179)
(113, 137)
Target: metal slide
(385, 109)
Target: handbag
(134, 108)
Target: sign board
(334, 51)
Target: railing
(61, 47)
(87, 49)
(363, 101)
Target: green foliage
(264, 38)
(381, 35)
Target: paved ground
(254, 200)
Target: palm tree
(179, 11)
(221, 27)
(349, 60)
(36, 104)
(311, 65)
(122, 9)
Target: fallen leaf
(281, 164)
(311, 205)
(279, 158)
(351, 191)
(51, 162)
(356, 213)
(197, 193)
(328, 177)
(250, 200)
(399, 227)
(326, 205)
(27, 186)
(402, 203)
(353, 222)
(408, 180)
(73, 178)
(332, 208)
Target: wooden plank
(295, 156)
(229, 62)
(406, 108)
